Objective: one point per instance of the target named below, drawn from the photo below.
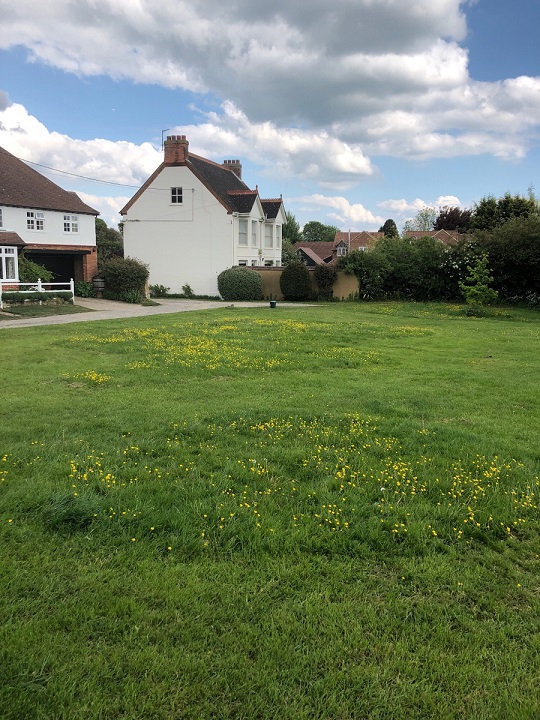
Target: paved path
(111, 310)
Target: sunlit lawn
(315, 512)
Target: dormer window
(176, 196)
(341, 250)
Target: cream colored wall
(345, 285)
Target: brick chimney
(176, 149)
(235, 166)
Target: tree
(109, 242)
(325, 277)
(453, 218)
(491, 213)
(423, 220)
(389, 228)
(295, 283)
(477, 288)
(291, 229)
(30, 271)
(315, 231)
(370, 269)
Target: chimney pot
(176, 150)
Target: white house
(194, 218)
(54, 226)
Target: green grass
(35, 311)
(315, 512)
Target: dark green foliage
(16, 298)
(325, 277)
(491, 213)
(453, 218)
(158, 291)
(240, 283)
(513, 250)
(84, 289)
(389, 228)
(188, 291)
(477, 288)
(30, 272)
(109, 243)
(370, 269)
(295, 282)
(124, 278)
(315, 231)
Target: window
(8, 263)
(176, 196)
(278, 236)
(253, 263)
(71, 223)
(35, 220)
(254, 242)
(341, 250)
(242, 233)
(268, 236)
(242, 263)
(268, 263)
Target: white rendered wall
(14, 220)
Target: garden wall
(344, 286)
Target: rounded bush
(240, 283)
(294, 282)
(124, 276)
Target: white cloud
(108, 207)
(379, 77)
(343, 213)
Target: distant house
(194, 218)
(447, 237)
(317, 253)
(54, 226)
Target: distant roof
(358, 238)
(323, 250)
(311, 254)
(448, 237)
(22, 186)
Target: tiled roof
(22, 186)
(312, 255)
(242, 200)
(11, 238)
(362, 238)
(447, 237)
(323, 250)
(271, 207)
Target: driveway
(111, 310)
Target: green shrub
(477, 288)
(84, 289)
(30, 271)
(124, 276)
(18, 298)
(240, 283)
(295, 282)
(325, 277)
(188, 291)
(158, 291)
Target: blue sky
(354, 113)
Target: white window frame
(8, 252)
(341, 251)
(177, 196)
(254, 233)
(268, 263)
(35, 220)
(268, 236)
(242, 263)
(278, 237)
(254, 263)
(243, 232)
(71, 223)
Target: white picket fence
(44, 287)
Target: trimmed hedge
(125, 279)
(240, 283)
(294, 282)
(18, 298)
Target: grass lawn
(315, 512)
(35, 311)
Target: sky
(355, 111)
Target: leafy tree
(477, 288)
(452, 218)
(295, 282)
(389, 228)
(370, 269)
(109, 242)
(325, 277)
(423, 220)
(288, 252)
(490, 212)
(291, 229)
(315, 231)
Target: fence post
(1, 303)
(39, 284)
(72, 288)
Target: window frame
(71, 223)
(9, 252)
(268, 236)
(243, 232)
(35, 220)
(177, 196)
